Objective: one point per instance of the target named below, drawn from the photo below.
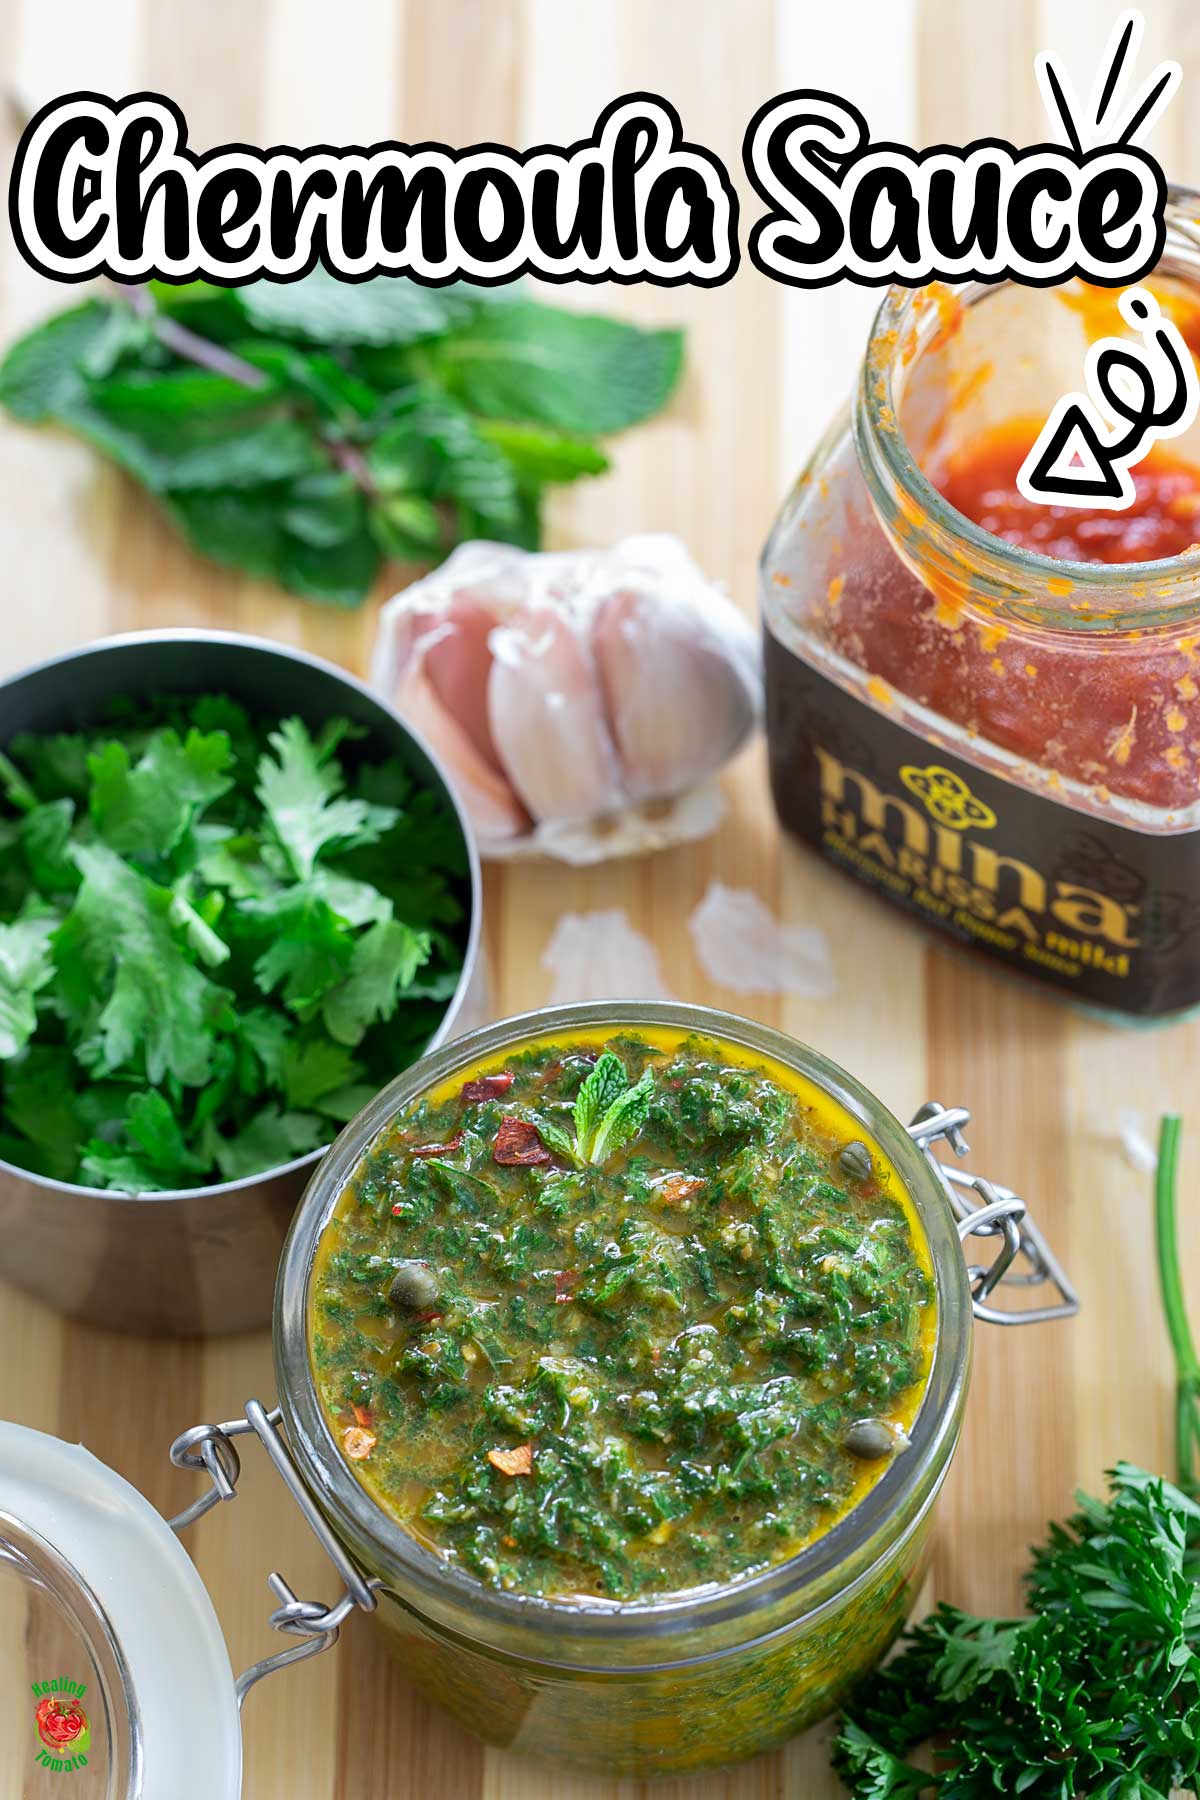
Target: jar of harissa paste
(989, 711)
(666, 1681)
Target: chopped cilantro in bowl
(220, 931)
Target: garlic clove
(493, 807)
(681, 692)
(458, 662)
(546, 718)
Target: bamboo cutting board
(84, 555)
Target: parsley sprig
(1097, 1693)
(306, 432)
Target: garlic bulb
(580, 701)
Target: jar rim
(905, 317)
(807, 1580)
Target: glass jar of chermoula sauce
(986, 709)
(622, 1350)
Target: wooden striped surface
(83, 554)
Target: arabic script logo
(947, 798)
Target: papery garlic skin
(580, 700)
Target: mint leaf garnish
(624, 1119)
(606, 1081)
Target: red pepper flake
(680, 1187)
(488, 1087)
(518, 1144)
(363, 1415)
(446, 1149)
(564, 1285)
(513, 1462)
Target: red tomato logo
(61, 1723)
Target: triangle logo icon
(1073, 463)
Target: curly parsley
(1097, 1693)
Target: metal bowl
(194, 1260)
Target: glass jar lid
(124, 1679)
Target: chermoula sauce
(621, 1316)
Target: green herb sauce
(625, 1364)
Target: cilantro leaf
(310, 1071)
(142, 859)
(145, 810)
(116, 949)
(384, 962)
(41, 1107)
(25, 969)
(45, 836)
(272, 1137)
(310, 953)
(300, 789)
(154, 1153)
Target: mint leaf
(555, 1138)
(25, 969)
(42, 373)
(305, 431)
(322, 310)
(338, 574)
(324, 509)
(576, 372)
(385, 960)
(299, 791)
(435, 445)
(238, 527)
(537, 456)
(623, 1120)
(605, 1083)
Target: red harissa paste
(1121, 713)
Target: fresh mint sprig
(609, 1113)
(306, 432)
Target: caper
(871, 1439)
(855, 1161)
(414, 1286)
